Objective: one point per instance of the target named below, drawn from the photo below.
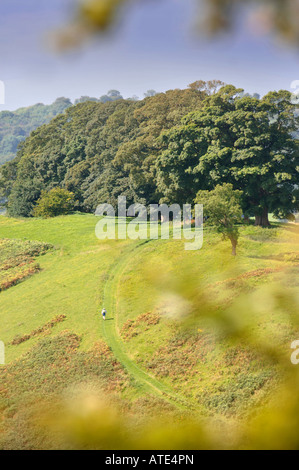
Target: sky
(155, 47)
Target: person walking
(104, 313)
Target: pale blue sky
(154, 48)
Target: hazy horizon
(154, 48)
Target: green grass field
(174, 337)
(71, 280)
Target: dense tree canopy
(236, 139)
(98, 151)
(164, 148)
(15, 126)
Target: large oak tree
(236, 139)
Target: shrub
(52, 203)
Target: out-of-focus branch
(280, 17)
(91, 17)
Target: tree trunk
(262, 220)
(234, 243)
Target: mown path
(110, 331)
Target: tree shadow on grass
(278, 257)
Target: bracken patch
(17, 260)
(181, 354)
(142, 323)
(43, 329)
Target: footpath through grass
(144, 380)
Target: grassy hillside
(70, 283)
(174, 338)
(199, 362)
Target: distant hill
(15, 126)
